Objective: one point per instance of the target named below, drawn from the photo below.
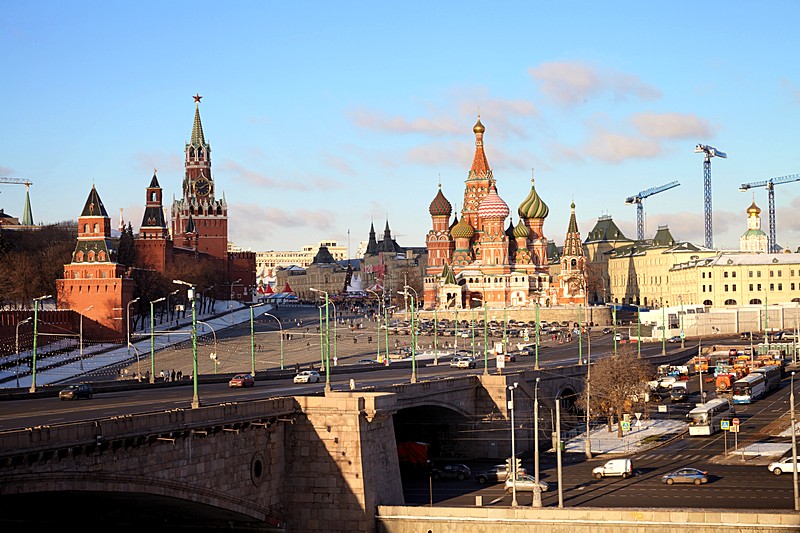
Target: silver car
(525, 483)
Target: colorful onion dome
(753, 209)
(533, 206)
(440, 207)
(478, 128)
(492, 206)
(521, 230)
(462, 230)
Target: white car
(525, 483)
(307, 376)
(784, 465)
(463, 362)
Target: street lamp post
(485, 337)
(35, 338)
(614, 319)
(588, 389)
(327, 341)
(18, 357)
(413, 331)
(378, 356)
(214, 353)
(638, 331)
(513, 448)
(253, 339)
(191, 296)
(537, 490)
(80, 336)
(128, 323)
(230, 303)
(580, 336)
(794, 447)
(153, 339)
(536, 331)
(169, 314)
(683, 333)
(663, 330)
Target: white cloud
(672, 125)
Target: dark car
(76, 392)
(451, 471)
(242, 380)
(606, 331)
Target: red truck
(413, 456)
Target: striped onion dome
(440, 207)
(533, 206)
(521, 230)
(492, 206)
(462, 230)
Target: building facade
(476, 260)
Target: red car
(242, 380)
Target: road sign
(683, 335)
(724, 424)
(501, 361)
(735, 421)
(626, 426)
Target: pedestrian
(172, 375)
(335, 361)
(161, 375)
(297, 368)
(352, 384)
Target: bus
(705, 418)
(773, 375)
(750, 388)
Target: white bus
(773, 375)
(705, 418)
(750, 388)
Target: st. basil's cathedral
(477, 260)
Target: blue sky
(324, 117)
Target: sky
(326, 117)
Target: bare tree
(615, 381)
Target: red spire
(480, 165)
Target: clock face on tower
(202, 187)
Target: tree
(126, 248)
(615, 381)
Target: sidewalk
(97, 357)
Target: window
(792, 286)
(730, 302)
(771, 273)
(751, 287)
(733, 274)
(726, 287)
(734, 287)
(772, 286)
(725, 274)
(780, 286)
(758, 287)
(749, 273)
(780, 273)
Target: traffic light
(511, 463)
(519, 464)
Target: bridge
(305, 463)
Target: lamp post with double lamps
(253, 339)
(17, 345)
(537, 490)
(80, 336)
(35, 338)
(327, 341)
(128, 322)
(638, 331)
(414, 300)
(169, 314)
(153, 339)
(513, 447)
(192, 296)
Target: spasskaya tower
(199, 217)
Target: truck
(615, 467)
(413, 457)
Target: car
(368, 362)
(674, 338)
(463, 362)
(496, 474)
(510, 358)
(525, 483)
(451, 471)
(784, 465)
(242, 380)
(606, 331)
(76, 392)
(614, 467)
(686, 475)
(307, 376)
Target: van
(615, 467)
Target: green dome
(533, 206)
(521, 230)
(462, 230)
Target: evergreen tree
(126, 249)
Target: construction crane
(709, 152)
(772, 244)
(638, 200)
(18, 181)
